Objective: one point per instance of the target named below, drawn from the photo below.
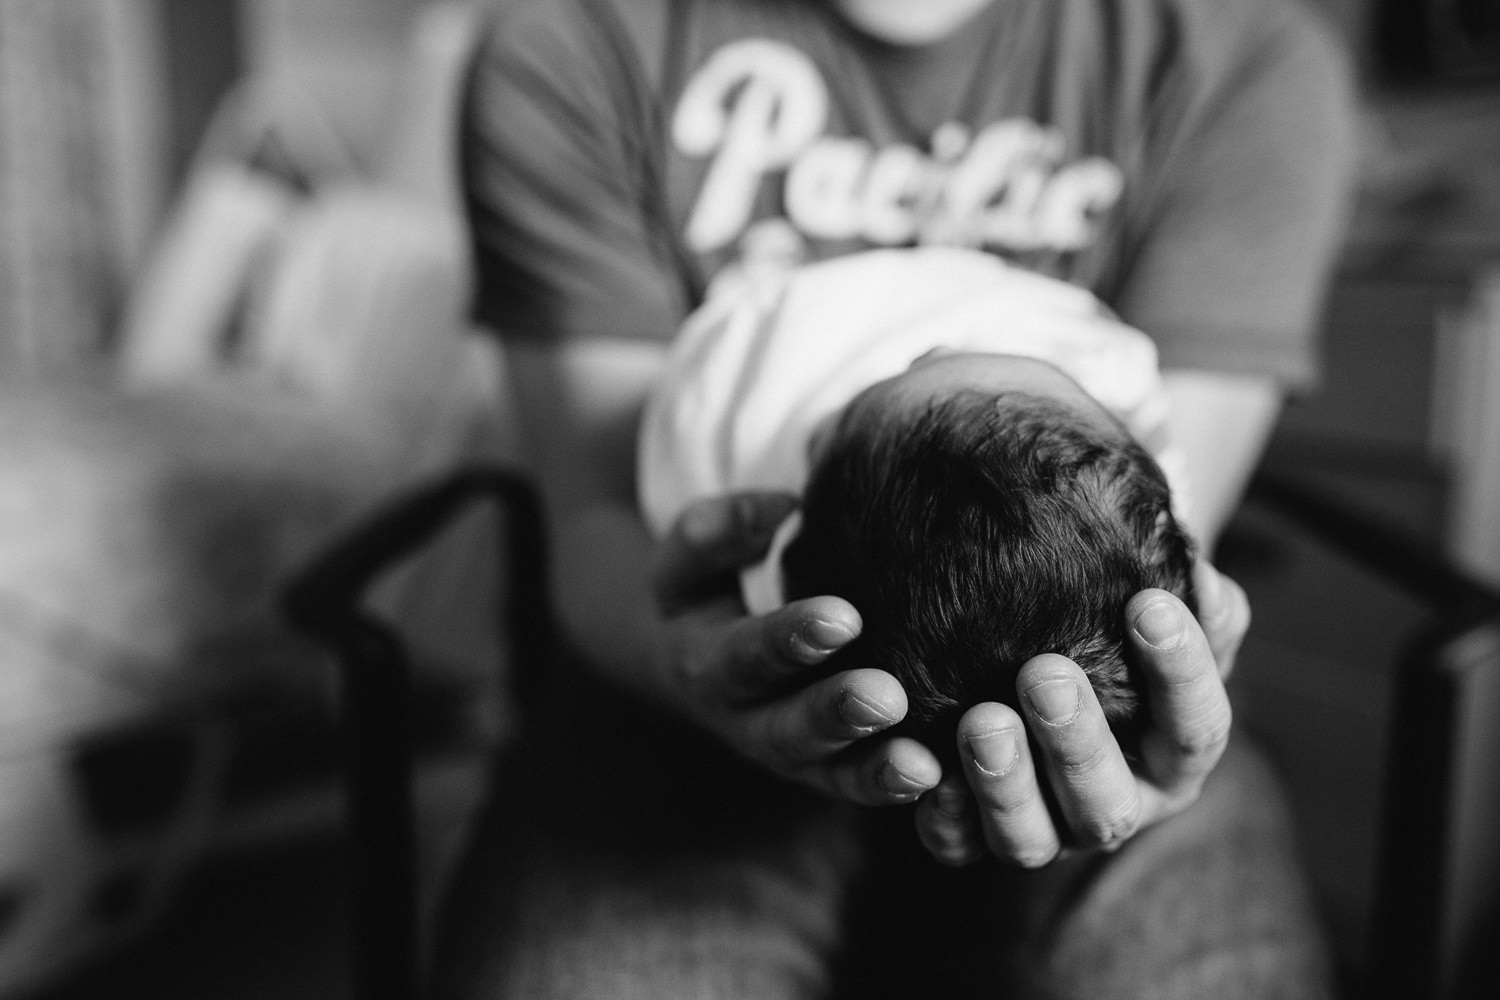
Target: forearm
(1221, 423)
(602, 596)
(579, 406)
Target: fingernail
(1160, 625)
(898, 784)
(994, 752)
(862, 713)
(823, 636)
(951, 801)
(1056, 701)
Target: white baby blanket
(757, 368)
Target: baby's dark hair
(991, 528)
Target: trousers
(624, 855)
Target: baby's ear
(1169, 534)
(1157, 546)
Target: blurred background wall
(82, 169)
(103, 104)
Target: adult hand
(756, 682)
(997, 806)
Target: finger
(877, 771)
(1190, 713)
(768, 654)
(813, 724)
(1094, 787)
(712, 539)
(948, 823)
(1223, 613)
(1011, 812)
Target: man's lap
(1208, 904)
(625, 857)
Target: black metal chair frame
(325, 601)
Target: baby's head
(980, 510)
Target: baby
(973, 448)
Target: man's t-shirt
(1184, 160)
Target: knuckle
(951, 803)
(1185, 674)
(948, 843)
(1110, 829)
(1004, 801)
(952, 849)
(1077, 759)
(1021, 834)
(1207, 740)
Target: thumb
(714, 538)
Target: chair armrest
(336, 579)
(1435, 670)
(1376, 542)
(324, 600)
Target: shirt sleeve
(560, 175)
(1253, 186)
